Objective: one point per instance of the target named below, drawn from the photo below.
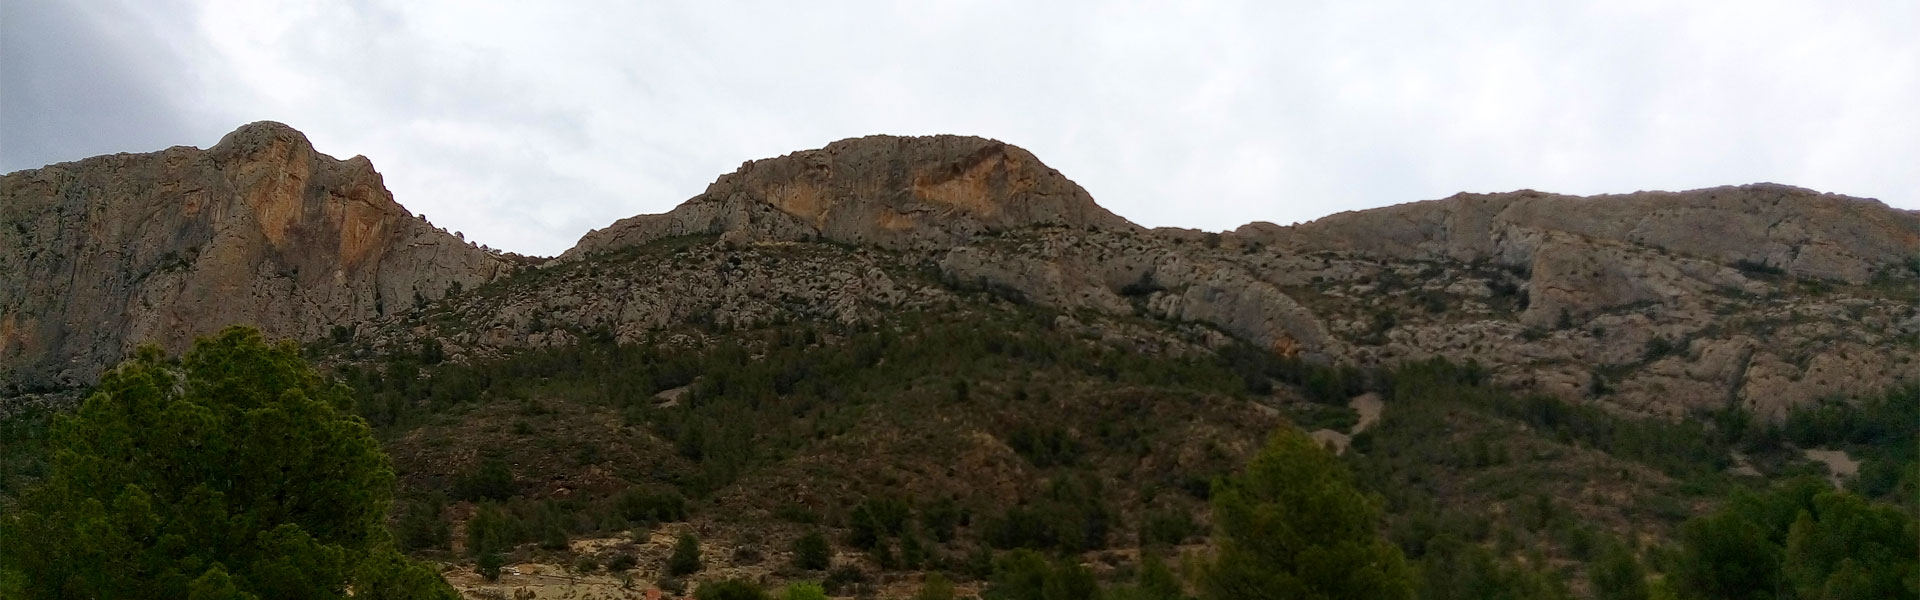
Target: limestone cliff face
(1574, 245)
(889, 191)
(1800, 231)
(100, 255)
(1653, 303)
(945, 199)
(1656, 302)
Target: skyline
(524, 127)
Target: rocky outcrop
(1800, 231)
(1764, 227)
(1764, 296)
(100, 255)
(1125, 274)
(1568, 295)
(889, 191)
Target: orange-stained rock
(100, 255)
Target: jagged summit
(890, 191)
(109, 252)
(105, 253)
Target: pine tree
(1293, 525)
(686, 556)
(235, 472)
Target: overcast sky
(524, 124)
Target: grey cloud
(524, 125)
(72, 86)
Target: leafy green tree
(1727, 555)
(811, 552)
(1070, 581)
(1847, 548)
(1027, 575)
(1019, 575)
(388, 575)
(1454, 569)
(686, 556)
(935, 587)
(1157, 582)
(423, 527)
(1618, 575)
(488, 565)
(643, 506)
(236, 472)
(490, 531)
(1294, 526)
(804, 590)
(1801, 539)
(491, 480)
(884, 557)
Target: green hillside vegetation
(1023, 451)
(235, 472)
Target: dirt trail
(1369, 406)
(1839, 465)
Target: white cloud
(525, 124)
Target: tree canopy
(1292, 525)
(1801, 539)
(236, 471)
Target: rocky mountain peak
(259, 135)
(1651, 302)
(110, 252)
(891, 191)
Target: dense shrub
(423, 527)
(875, 519)
(1027, 575)
(622, 562)
(686, 556)
(489, 480)
(811, 552)
(645, 507)
(844, 579)
(1803, 537)
(804, 590)
(1072, 516)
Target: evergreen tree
(686, 556)
(236, 472)
(1157, 582)
(1802, 539)
(935, 587)
(1619, 576)
(1294, 526)
(811, 552)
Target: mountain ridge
(1522, 270)
(106, 253)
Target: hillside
(936, 349)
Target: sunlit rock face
(1656, 303)
(103, 254)
(889, 191)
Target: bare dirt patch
(1369, 406)
(1839, 465)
